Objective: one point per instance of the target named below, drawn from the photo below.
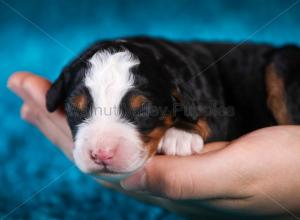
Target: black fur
(219, 83)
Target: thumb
(203, 176)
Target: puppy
(128, 99)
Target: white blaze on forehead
(109, 78)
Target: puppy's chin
(112, 176)
(104, 174)
(120, 168)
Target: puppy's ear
(57, 93)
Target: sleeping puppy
(128, 99)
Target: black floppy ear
(58, 92)
(72, 73)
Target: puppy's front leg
(184, 141)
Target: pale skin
(257, 173)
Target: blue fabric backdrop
(42, 36)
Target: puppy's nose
(102, 156)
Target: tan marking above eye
(137, 101)
(80, 102)
(276, 96)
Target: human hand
(257, 173)
(32, 90)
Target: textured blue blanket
(42, 36)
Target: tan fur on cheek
(276, 96)
(203, 129)
(168, 121)
(152, 139)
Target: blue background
(28, 161)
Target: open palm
(257, 173)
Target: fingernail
(135, 182)
(14, 85)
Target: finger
(15, 83)
(133, 180)
(37, 87)
(48, 128)
(210, 175)
(33, 89)
(214, 146)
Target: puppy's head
(117, 105)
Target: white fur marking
(108, 80)
(109, 77)
(179, 142)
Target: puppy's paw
(179, 142)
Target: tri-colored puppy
(128, 99)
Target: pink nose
(102, 156)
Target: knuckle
(170, 186)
